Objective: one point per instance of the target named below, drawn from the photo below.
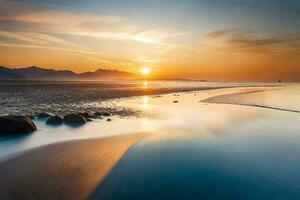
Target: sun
(145, 70)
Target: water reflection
(145, 84)
(208, 151)
(145, 102)
(254, 158)
(188, 118)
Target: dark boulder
(108, 119)
(12, 124)
(44, 115)
(74, 118)
(30, 116)
(88, 115)
(56, 120)
(106, 114)
(98, 114)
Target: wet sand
(277, 98)
(68, 170)
(64, 97)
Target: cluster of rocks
(73, 118)
(19, 124)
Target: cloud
(30, 46)
(143, 59)
(35, 18)
(48, 38)
(102, 61)
(241, 41)
(33, 37)
(219, 33)
(38, 19)
(56, 18)
(80, 24)
(21, 37)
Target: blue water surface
(253, 159)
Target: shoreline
(65, 98)
(74, 169)
(65, 170)
(236, 99)
(116, 95)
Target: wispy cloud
(49, 38)
(87, 25)
(34, 37)
(60, 18)
(21, 37)
(30, 46)
(102, 61)
(237, 40)
(143, 59)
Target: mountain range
(38, 73)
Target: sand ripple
(69, 170)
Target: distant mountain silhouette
(106, 74)
(6, 73)
(37, 73)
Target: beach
(69, 170)
(228, 142)
(150, 100)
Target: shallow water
(196, 149)
(278, 98)
(212, 151)
(28, 97)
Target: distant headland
(39, 73)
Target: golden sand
(68, 170)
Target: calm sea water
(214, 151)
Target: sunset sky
(232, 40)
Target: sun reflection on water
(145, 84)
(145, 102)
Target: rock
(56, 120)
(74, 119)
(98, 114)
(98, 117)
(106, 114)
(108, 120)
(30, 116)
(12, 124)
(88, 114)
(175, 101)
(45, 115)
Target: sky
(217, 40)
